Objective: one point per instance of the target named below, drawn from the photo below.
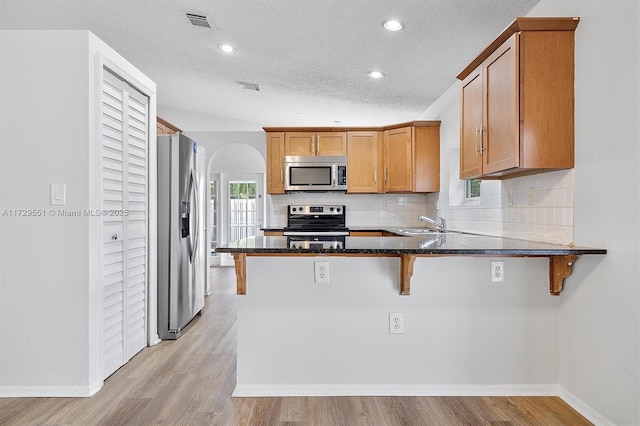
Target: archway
(233, 165)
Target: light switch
(58, 194)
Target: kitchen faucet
(440, 223)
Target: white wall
(45, 129)
(463, 334)
(193, 121)
(49, 265)
(214, 141)
(599, 311)
(600, 317)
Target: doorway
(237, 209)
(241, 210)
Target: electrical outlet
(396, 323)
(497, 271)
(531, 196)
(321, 271)
(385, 205)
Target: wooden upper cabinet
(299, 143)
(275, 163)
(470, 125)
(403, 157)
(517, 103)
(364, 159)
(426, 157)
(315, 143)
(398, 160)
(412, 158)
(165, 128)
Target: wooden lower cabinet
(273, 233)
(365, 234)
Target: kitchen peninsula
(407, 249)
(462, 334)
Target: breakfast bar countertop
(408, 248)
(448, 243)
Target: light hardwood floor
(190, 381)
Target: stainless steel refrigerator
(182, 233)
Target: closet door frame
(127, 73)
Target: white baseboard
(583, 408)
(50, 391)
(394, 390)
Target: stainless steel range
(320, 226)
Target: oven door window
(305, 176)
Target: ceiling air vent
(250, 86)
(198, 20)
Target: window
(472, 189)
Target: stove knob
(293, 209)
(330, 209)
(338, 209)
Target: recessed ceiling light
(227, 48)
(393, 25)
(375, 74)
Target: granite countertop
(449, 243)
(351, 228)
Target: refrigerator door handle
(190, 217)
(196, 202)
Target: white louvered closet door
(125, 125)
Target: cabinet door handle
(281, 175)
(477, 133)
(375, 175)
(385, 174)
(318, 145)
(482, 132)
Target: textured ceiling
(309, 57)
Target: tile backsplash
(538, 208)
(365, 210)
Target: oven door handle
(323, 233)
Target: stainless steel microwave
(315, 173)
